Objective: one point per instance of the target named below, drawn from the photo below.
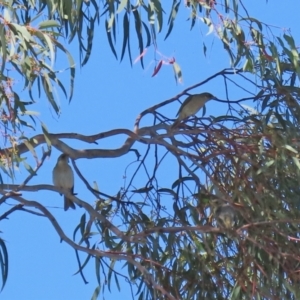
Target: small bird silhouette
(226, 216)
(191, 105)
(63, 177)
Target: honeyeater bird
(191, 105)
(63, 177)
(225, 216)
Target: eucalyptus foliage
(248, 158)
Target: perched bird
(226, 216)
(63, 177)
(191, 105)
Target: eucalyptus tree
(247, 159)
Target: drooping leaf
(125, 35)
(172, 17)
(110, 40)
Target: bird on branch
(63, 177)
(191, 105)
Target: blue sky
(108, 95)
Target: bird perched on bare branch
(63, 177)
(191, 105)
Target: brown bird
(63, 177)
(191, 105)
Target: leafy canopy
(248, 158)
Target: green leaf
(227, 6)
(181, 180)
(296, 161)
(236, 8)
(24, 34)
(110, 22)
(117, 282)
(72, 67)
(151, 14)
(30, 147)
(193, 17)
(265, 102)
(97, 267)
(48, 24)
(148, 34)
(46, 135)
(3, 262)
(156, 6)
(259, 25)
(293, 54)
(290, 148)
(290, 41)
(126, 34)
(45, 38)
(248, 65)
(57, 81)
(108, 33)
(138, 29)
(168, 191)
(96, 293)
(204, 49)
(172, 17)
(31, 113)
(90, 38)
(28, 168)
(3, 49)
(235, 293)
(122, 5)
(143, 190)
(82, 224)
(210, 25)
(226, 118)
(48, 90)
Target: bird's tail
(68, 204)
(176, 123)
